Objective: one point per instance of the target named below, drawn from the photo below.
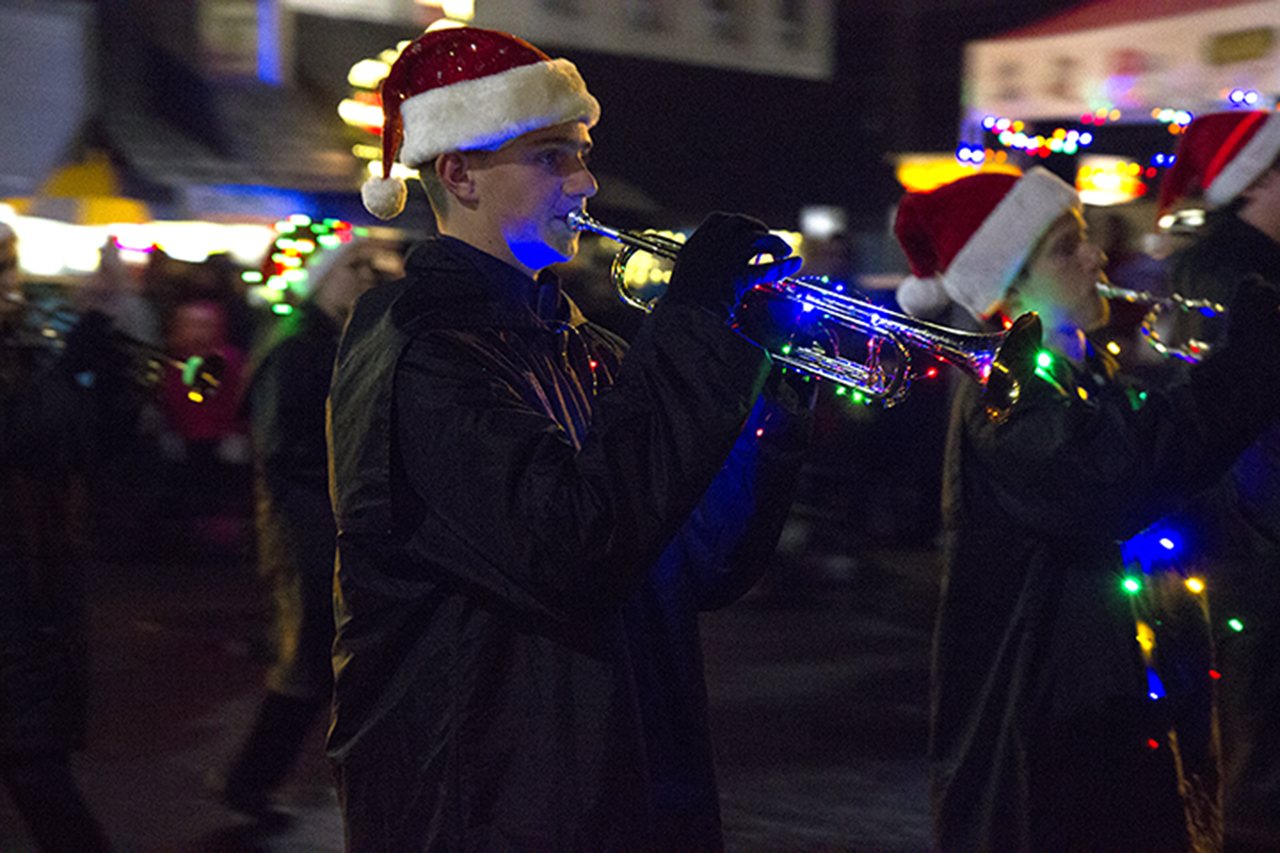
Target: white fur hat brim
(1255, 158)
(982, 271)
(487, 112)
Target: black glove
(1253, 318)
(772, 321)
(1235, 386)
(712, 269)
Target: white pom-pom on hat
(384, 197)
(922, 297)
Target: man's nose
(582, 183)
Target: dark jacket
(1043, 736)
(517, 660)
(46, 430)
(1238, 529)
(285, 406)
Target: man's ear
(454, 169)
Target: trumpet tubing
(1191, 349)
(986, 358)
(202, 374)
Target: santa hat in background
(967, 240)
(1219, 156)
(462, 89)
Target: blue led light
(1155, 687)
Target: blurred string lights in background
(1103, 179)
(283, 279)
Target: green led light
(1044, 359)
(1132, 585)
(282, 308)
(251, 277)
(1235, 625)
(786, 349)
(859, 397)
(841, 391)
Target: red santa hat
(1220, 155)
(967, 240)
(464, 89)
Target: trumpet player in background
(1227, 163)
(47, 446)
(1045, 731)
(531, 515)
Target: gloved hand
(1235, 386)
(772, 321)
(1253, 317)
(712, 269)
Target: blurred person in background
(285, 399)
(1045, 731)
(205, 437)
(529, 522)
(47, 446)
(1228, 164)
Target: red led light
(1152, 743)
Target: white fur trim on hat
(1254, 159)
(384, 197)
(922, 297)
(487, 112)
(981, 271)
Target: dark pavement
(817, 682)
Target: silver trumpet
(202, 374)
(1191, 349)
(989, 359)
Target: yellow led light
(1146, 637)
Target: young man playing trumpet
(1046, 730)
(528, 521)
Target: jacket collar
(474, 289)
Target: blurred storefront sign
(228, 32)
(1129, 59)
(786, 38)
(1101, 93)
(385, 11)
